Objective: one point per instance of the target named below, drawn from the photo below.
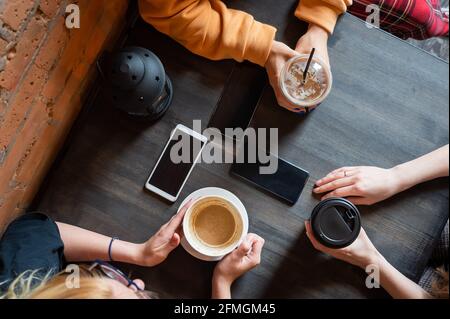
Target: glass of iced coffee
(305, 92)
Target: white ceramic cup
(209, 252)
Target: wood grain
(389, 104)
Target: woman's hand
(360, 253)
(246, 257)
(155, 250)
(279, 55)
(317, 38)
(361, 185)
(363, 253)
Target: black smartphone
(287, 183)
(240, 98)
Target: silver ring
(345, 173)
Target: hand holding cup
(155, 250)
(243, 259)
(360, 253)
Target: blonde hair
(92, 286)
(439, 287)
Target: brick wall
(45, 70)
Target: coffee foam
(233, 234)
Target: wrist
(221, 287)
(138, 254)
(318, 31)
(400, 178)
(373, 258)
(221, 278)
(123, 251)
(377, 265)
(274, 50)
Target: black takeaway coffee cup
(336, 222)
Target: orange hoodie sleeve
(323, 13)
(210, 29)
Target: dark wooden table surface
(389, 104)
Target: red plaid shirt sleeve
(418, 19)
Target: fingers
(311, 237)
(175, 240)
(342, 192)
(292, 107)
(257, 243)
(252, 247)
(320, 53)
(282, 100)
(177, 219)
(329, 178)
(337, 174)
(257, 250)
(166, 248)
(335, 184)
(245, 247)
(286, 51)
(285, 103)
(309, 233)
(137, 283)
(343, 169)
(278, 57)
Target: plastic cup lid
(336, 222)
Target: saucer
(214, 191)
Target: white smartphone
(176, 162)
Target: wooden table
(389, 104)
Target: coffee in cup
(306, 92)
(336, 222)
(213, 226)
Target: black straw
(305, 72)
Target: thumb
(244, 248)
(299, 45)
(174, 241)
